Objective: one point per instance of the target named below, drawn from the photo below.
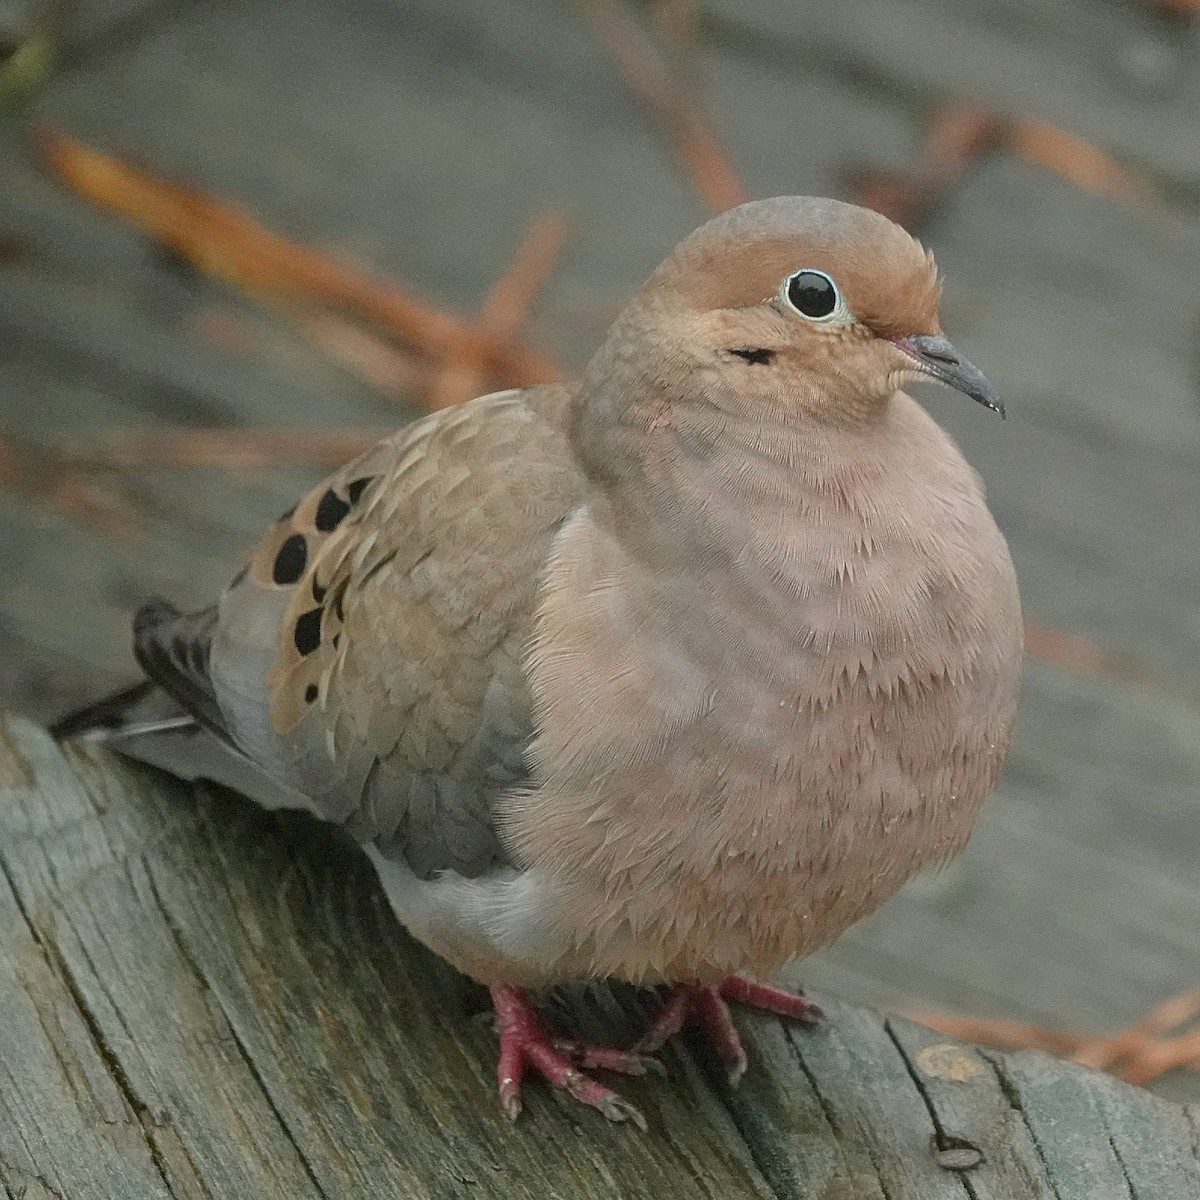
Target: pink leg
(713, 1014)
(707, 1006)
(525, 1042)
(669, 1018)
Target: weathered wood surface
(199, 999)
(421, 137)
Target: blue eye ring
(815, 296)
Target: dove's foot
(708, 1007)
(526, 1042)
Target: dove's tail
(134, 711)
(146, 723)
(176, 695)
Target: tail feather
(173, 648)
(143, 722)
(172, 720)
(109, 715)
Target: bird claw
(563, 1062)
(617, 1108)
(525, 1043)
(736, 1069)
(510, 1098)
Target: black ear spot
(307, 633)
(356, 489)
(310, 693)
(754, 354)
(290, 560)
(330, 511)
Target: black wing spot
(290, 561)
(310, 693)
(356, 489)
(307, 633)
(330, 511)
(318, 592)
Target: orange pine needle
(1076, 160)
(1158, 1042)
(998, 1032)
(960, 134)
(73, 495)
(678, 114)
(507, 306)
(1078, 654)
(957, 136)
(237, 449)
(226, 241)
(385, 367)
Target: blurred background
(240, 239)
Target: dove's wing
(370, 655)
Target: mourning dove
(668, 674)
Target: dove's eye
(814, 295)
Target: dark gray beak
(939, 360)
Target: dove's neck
(699, 483)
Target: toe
(769, 998)
(735, 1065)
(607, 1058)
(667, 1021)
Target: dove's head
(797, 304)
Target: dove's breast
(749, 748)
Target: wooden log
(200, 999)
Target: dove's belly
(771, 850)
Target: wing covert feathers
(370, 654)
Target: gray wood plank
(978, 1130)
(835, 1108)
(1087, 1143)
(1171, 1169)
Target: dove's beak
(938, 359)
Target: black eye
(812, 294)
